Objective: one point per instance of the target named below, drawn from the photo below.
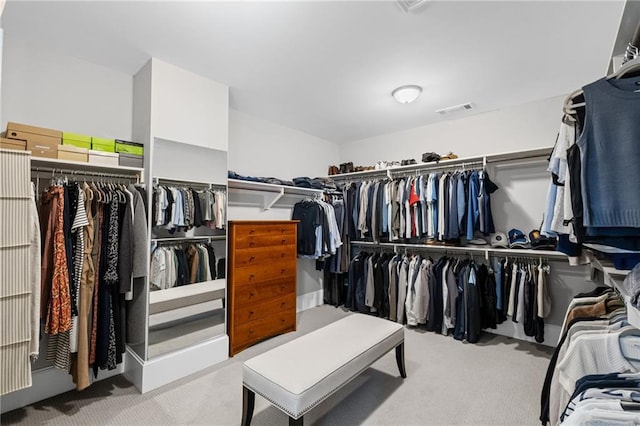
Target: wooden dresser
(261, 281)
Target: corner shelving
(270, 193)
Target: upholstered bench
(298, 375)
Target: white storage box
(103, 158)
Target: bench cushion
(301, 373)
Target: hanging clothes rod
(56, 171)
(182, 240)
(427, 170)
(192, 183)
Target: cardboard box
(42, 150)
(32, 129)
(130, 160)
(73, 153)
(128, 147)
(33, 137)
(103, 158)
(76, 143)
(14, 144)
(101, 144)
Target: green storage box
(76, 137)
(128, 147)
(104, 145)
(77, 143)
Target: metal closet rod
(55, 170)
(169, 181)
(460, 166)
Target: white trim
(159, 371)
(48, 382)
(508, 328)
(309, 300)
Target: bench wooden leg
(400, 360)
(296, 422)
(248, 402)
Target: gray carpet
(496, 381)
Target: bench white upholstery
(303, 372)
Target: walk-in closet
(322, 213)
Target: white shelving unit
(270, 193)
(186, 295)
(78, 166)
(484, 251)
(614, 278)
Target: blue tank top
(610, 153)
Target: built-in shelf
(481, 160)
(195, 238)
(52, 163)
(487, 251)
(270, 193)
(614, 278)
(186, 295)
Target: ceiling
(328, 68)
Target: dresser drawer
(251, 230)
(265, 240)
(267, 272)
(264, 327)
(260, 256)
(260, 310)
(254, 294)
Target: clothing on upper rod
(318, 234)
(437, 206)
(182, 208)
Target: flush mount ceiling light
(406, 94)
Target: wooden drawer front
(251, 230)
(261, 310)
(255, 241)
(264, 327)
(252, 295)
(266, 255)
(260, 273)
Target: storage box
(129, 147)
(14, 144)
(75, 139)
(42, 149)
(130, 160)
(33, 137)
(73, 153)
(103, 158)
(32, 129)
(101, 144)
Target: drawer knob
(251, 331)
(283, 230)
(282, 287)
(252, 243)
(252, 258)
(282, 320)
(252, 231)
(250, 313)
(282, 271)
(283, 254)
(283, 304)
(283, 241)
(251, 294)
(251, 276)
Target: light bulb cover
(406, 94)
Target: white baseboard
(48, 382)
(159, 371)
(508, 328)
(309, 300)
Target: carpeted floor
(496, 381)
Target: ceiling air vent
(455, 109)
(408, 5)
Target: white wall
(47, 89)
(189, 108)
(531, 125)
(262, 148)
